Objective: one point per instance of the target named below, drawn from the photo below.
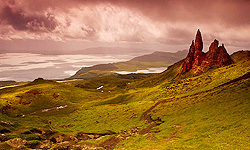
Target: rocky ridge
(199, 61)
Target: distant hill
(154, 60)
(135, 111)
(169, 110)
(162, 56)
(7, 83)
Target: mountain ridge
(153, 60)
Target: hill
(162, 56)
(135, 111)
(169, 110)
(6, 83)
(154, 60)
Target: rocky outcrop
(198, 41)
(199, 61)
(187, 65)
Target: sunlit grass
(201, 114)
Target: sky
(169, 25)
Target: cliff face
(199, 61)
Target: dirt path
(153, 123)
(147, 118)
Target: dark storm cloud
(228, 11)
(172, 22)
(20, 21)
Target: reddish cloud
(20, 21)
(168, 22)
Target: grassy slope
(200, 114)
(154, 60)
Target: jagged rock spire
(198, 41)
(199, 61)
(214, 45)
(187, 65)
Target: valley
(124, 75)
(200, 102)
(134, 111)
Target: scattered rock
(91, 136)
(46, 146)
(82, 136)
(17, 142)
(62, 145)
(59, 139)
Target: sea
(22, 67)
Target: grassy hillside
(161, 56)
(154, 60)
(7, 83)
(136, 111)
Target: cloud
(34, 23)
(132, 21)
(228, 12)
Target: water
(27, 66)
(149, 70)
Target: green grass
(201, 114)
(109, 69)
(215, 120)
